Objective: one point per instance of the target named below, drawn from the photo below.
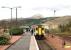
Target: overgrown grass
(59, 33)
(63, 34)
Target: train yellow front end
(39, 32)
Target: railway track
(43, 46)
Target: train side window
(36, 28)
(42, 28)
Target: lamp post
(54, 12)
(11, 8)
(17, 13)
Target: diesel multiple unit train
(39, 32)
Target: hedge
(16, 31)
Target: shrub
(16, 31)
(6, 35)
(3, 40)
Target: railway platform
(27, 42)
(22, 44)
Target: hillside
(60, 20)
(25, 21)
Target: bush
(6, 35)
(16, 31)
(3, 40)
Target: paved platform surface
(33, 44)
(23, 43)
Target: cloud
(32, 7)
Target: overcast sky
(32, 7)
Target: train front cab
(39, 33)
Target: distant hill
(37, 16)
(60, 20)
(24, 21)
